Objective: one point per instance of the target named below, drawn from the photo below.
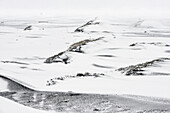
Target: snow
(15, 107)
(145, 86)
(4, 85)
(56, 35)
(122, 23)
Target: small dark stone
(60, 78)
(97, 75)
(97, 23)
(96, 109)
(139, 74)
(74, 94)
(80, 75)
(79, 30)
(66, 60)
(28, 27)
(87, 74)
(167, 45)
(133, 44)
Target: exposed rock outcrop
(76, 47)
(28, 28)
(152, 43)
(53, 81)
(138, 68)
(81, 28)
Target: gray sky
(111, 5)
(86, 4)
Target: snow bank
(15, 107)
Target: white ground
(15, 107)
(56, 34)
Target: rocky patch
(76, 47)
(60, 57)
(138, 68)
(28, 28)
(53, 81)
(15, 62)
(81, 28)
(152, 43)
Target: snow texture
(27, 43)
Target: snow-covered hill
(138, 46)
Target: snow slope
(15, 107)
(22, 54)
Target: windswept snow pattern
(82, 59)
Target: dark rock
(58, 58)
(74, 94)
(96, 109)
(76, 47)
(78, 75)
(15, 62)
(135, 69)
(152, 43)
(81, 28)
(134, 44)
(28, 28)
(60, 78)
